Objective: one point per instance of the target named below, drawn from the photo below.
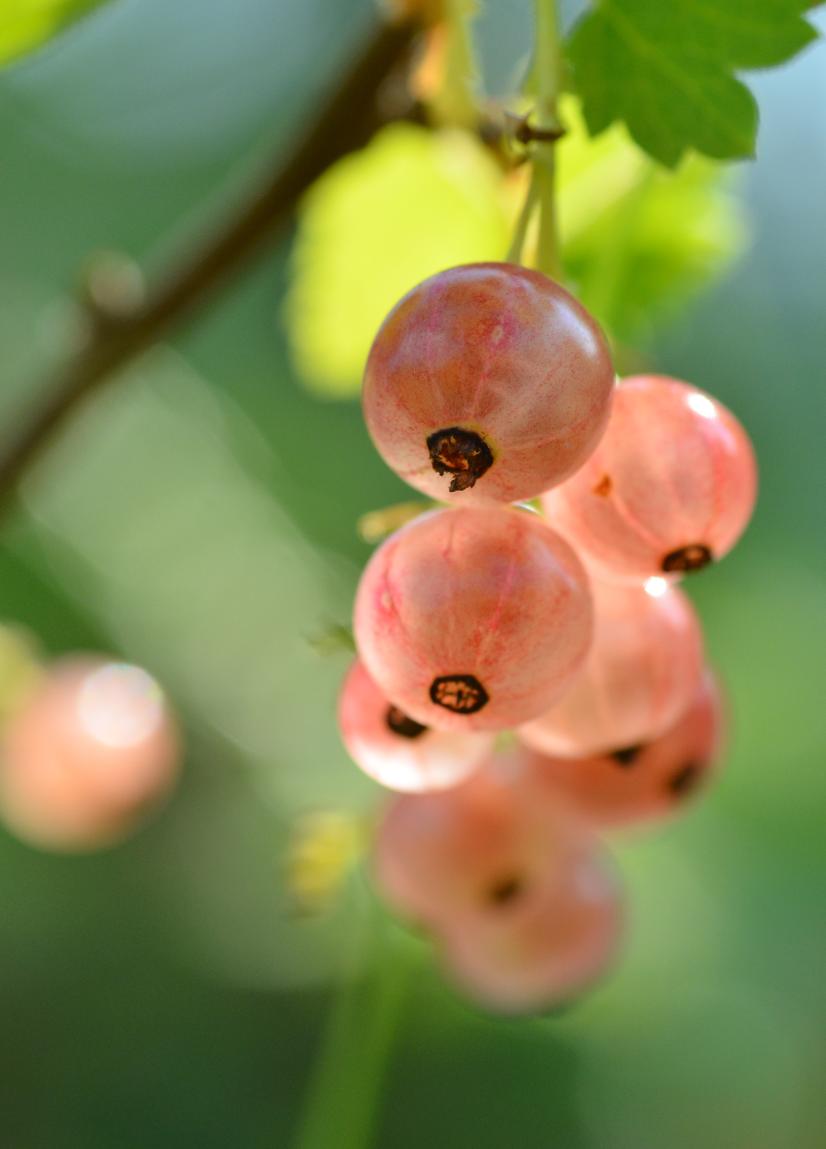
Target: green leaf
(373, 226)
(26, 25)
(639, 241)
(667, 68)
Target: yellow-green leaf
(639, 240)
(378, 222)
(28, 24)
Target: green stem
(547, 245)
(548, 64)
(342, 1101)
(523, 223)
(548, 72)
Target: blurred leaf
(667, 69)
(638, 240)
(375, 225)
(28, 24)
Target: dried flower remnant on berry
(505, 890)
(461, 693)
(400, 723)
(627, 756)
(685, 780)
(693, 557)
(461, 453)
(603, 487)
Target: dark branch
(346, 120)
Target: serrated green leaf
(667, 69)
(378, 222)
(28, 24)
(639, 241)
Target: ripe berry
(88, 750)
(487, 381)
(524, 909)
(546, 945)
(642, 671)
(473, 619)
(395, 749)
(670, 487)
(640, 783)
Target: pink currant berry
(441, 856)
(395, 749)
(523, 907)
(670, 487)
(640, 783)
(487, 381)
(473, 619)
(642, 671)
(89, 749)
(546, 945)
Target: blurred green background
(200, 518)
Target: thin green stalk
(547, 245)
(343, 1095)
(548, 72)
(548, 64)
(523, 223)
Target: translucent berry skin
(505, 359)
(670, 487)
(88, 751)
(643, 669)
(550, 947)
(473, 619)
(640, 784)
(524, 908)
(397, 751)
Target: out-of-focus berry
(487, 381)
(643, 669)
(473, 619)
(553, 943)
(524, 908)
(92, 747)
(395, 749)
(670, 487)
(637, 784)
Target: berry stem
(342, 1101)
(548, 74)
(523, 223)
(548, 65)
(548, 78)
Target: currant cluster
(87, 746)
(486, 386)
